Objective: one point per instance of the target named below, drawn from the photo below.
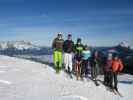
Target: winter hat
(79, 40)
(69, 35)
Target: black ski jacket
(68, 46)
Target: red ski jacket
(117, 65)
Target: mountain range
(22, 47)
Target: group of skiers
(79, 58)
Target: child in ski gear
(117, 66)
(94, 65)
(57, 52)
(86, 54)
(68, 48)
(78, 57)
(108, 71)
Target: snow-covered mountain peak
(124, 44)
(20, 45)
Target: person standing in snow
(78, 57)
(68, 48)
(108, 71)
(86, 55)
(95, 60)
(117, 66)
(57, 47)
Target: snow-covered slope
(25, 80)
(20, 45)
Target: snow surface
(25, 80)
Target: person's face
(109, 58)
(69, 37)
(79, 42)
(59, 36)
(116, 58)
(96, 53)
(86, 48)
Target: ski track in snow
(25, 80)
(5, 82)
(2, 71)
(73, 97)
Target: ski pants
(115, 81)
(57, 58)
(84, 67)
(108, 78)
(94, 71)
(68, 61)
(78, 68)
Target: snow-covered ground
(25, 80)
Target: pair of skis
(116, 92)
(69, 73)
(78, 69)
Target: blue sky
(97, 22)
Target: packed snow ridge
(25, 80)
